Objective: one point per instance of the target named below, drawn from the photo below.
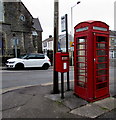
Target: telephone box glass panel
(102, 62)
(81, 62)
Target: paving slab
(74, 103)
(89, 111)
(95, 109)
(70, 100)
(108, 103)
(111, 115)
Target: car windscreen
(24, 56)
(40, 56)
(33, 56)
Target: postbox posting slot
(64, 58)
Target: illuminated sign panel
(99, 28)
(81, 29)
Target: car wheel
(19, 66)
(45, 66)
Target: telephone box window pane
(81, 65)
(81, 59)
(81, 52)
(101, 52)
(101, 46)
(81, 40)
(101, 66)
(101, 72)
(101, 79)
(81, 84)
(81, 46)
(81, 78)
(100, 86)
(101, 39)
(102, 59)
(81, 72)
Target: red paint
(91, 60)
(62, 62)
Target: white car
(29, 60)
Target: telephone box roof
(92, 22)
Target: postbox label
(65, 66)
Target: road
(15, 78)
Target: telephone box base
(92, 99)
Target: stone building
(18, 28)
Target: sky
(101, 10)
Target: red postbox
(91, 60)
(62, 62)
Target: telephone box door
(80, 60)
(101, 65)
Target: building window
(115, 41)
(45, 44)
(34, 33)
(22, 17)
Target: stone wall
(18, 16)
(19, 21)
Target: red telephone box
(91, 60)
(62, 62)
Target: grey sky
(102, 10)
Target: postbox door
(101, 65)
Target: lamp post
(72, 26)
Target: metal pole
(56, 28)
(72, 33)
(62, 85)
(72, 22)
(72, 28)
(115, 15)
(66, 18)
(66, 33)
(15, 48)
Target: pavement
(38, 102)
